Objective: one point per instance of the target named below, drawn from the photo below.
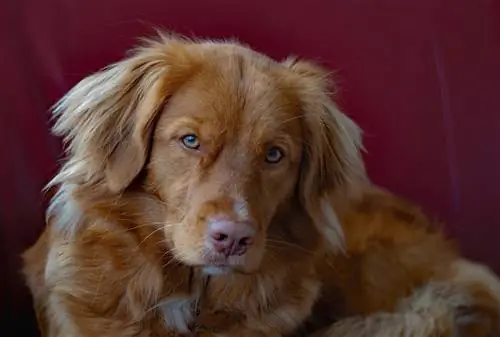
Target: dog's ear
(332, 161)
(107, 119)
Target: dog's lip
(220, 262)
(224, 264)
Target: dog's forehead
(235, 91)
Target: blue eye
(191, 141)
(274, 155)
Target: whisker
(150, 234)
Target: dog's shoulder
(101, 270)
(392, 247)
(376, 216)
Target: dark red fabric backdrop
(420, 76)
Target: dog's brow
(179, 123)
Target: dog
(210, 189)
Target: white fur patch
(240, 207)
(59, 265)
(469, 272)
(52, 265)
(333, 232)
(66, 212)
(179, 313)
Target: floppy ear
(107, 119)
(332, 162)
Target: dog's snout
(230, 238)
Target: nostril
(220, 236)
(245, 242)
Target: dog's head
(235, 145)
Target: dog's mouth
(220, 267)
(199, 255)
(222, 263)
(217, 264)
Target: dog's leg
(463, 303)
(429, 318)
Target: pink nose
(230, 238)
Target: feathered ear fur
(107, 119)
(332, 160)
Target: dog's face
(226, 153)
(229, 140)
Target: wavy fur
(125, 248)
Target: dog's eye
(274, 155)
(191, 141)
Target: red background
(420, 76)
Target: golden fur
(124, 251)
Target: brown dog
(203, 177)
